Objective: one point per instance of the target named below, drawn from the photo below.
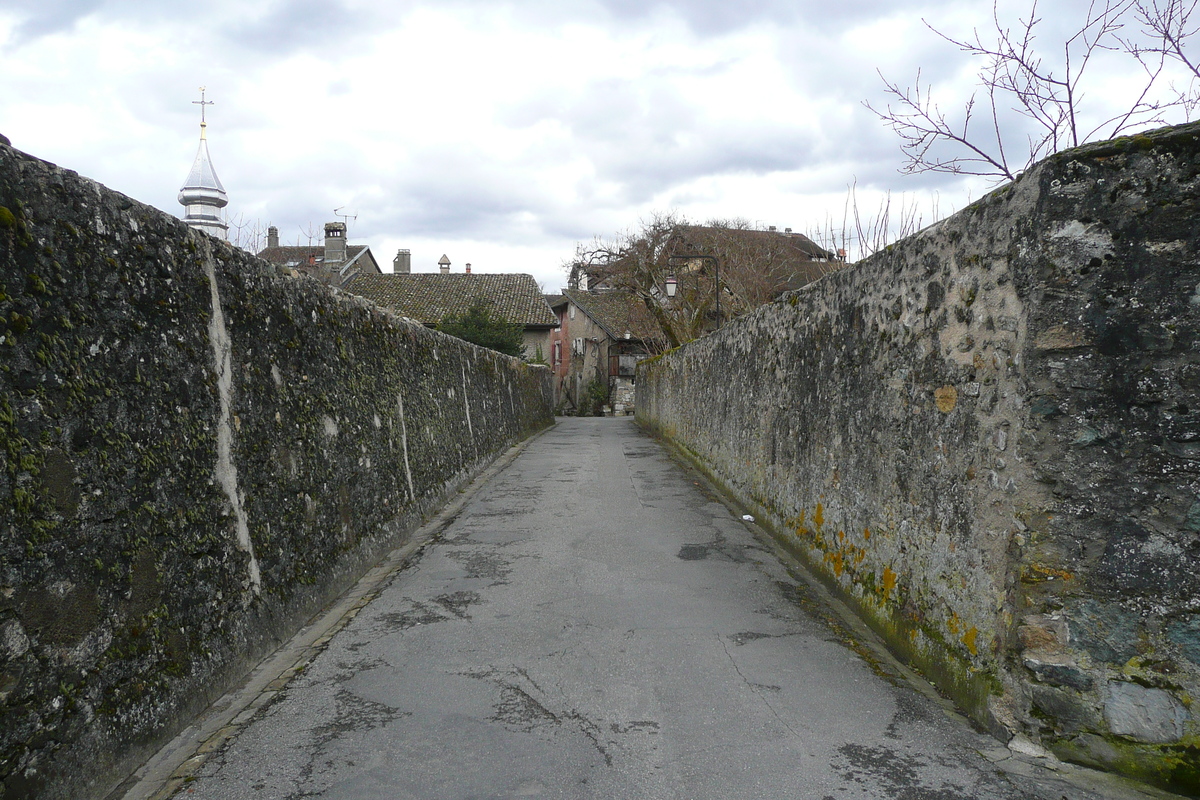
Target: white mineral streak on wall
(467, 404)
(225, 472)
(412, 495)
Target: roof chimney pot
(402, 263)
(444, 264)
(335, 243)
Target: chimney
(468, 267)
(444, 264)
(788, 231)
(335, 243)
(272, 236)
(841, 254)
(402, 263)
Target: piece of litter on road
(748, 518)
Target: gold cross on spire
(202, 103)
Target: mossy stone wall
(196, 454)
(987, 438)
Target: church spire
(202, 194)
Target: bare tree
(636, 261)
(755, 266)
(859, 234)
(1018, 84)
(312, 232)
(249, 235)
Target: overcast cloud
(497, 133)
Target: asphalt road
(594, 623)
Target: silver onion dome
(202, 194)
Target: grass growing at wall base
(1174, 767)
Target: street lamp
(671, 286)
(716, 277)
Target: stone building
(601, 336)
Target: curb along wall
(987, 438)
(198, 454)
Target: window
(571, 311)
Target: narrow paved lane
(593, 625)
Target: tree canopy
(479, 326)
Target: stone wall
(987, 438)
(197, 455)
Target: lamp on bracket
(716, 277)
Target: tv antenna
(345, 218)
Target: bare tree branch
(1019, 83)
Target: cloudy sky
(499, 133)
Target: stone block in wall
(1142, 713)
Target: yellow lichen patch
(1036, 573)
(953, 623)
(945, 397)
(889, 582)
(819, 516)
(968, 639)
(841, 535)
(797, 524)
(838, 564)
(867, 534)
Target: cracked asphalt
(594, 623)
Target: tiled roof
(430, 297)
(616, 312)
(293, 256)
(794, 246)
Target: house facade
(601, 336)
